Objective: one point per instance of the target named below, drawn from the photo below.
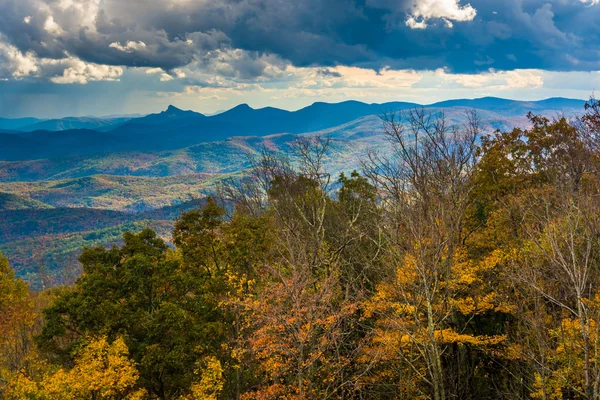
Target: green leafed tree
(140, 291)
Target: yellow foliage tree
(16, 322)
(413, 324)
(102, 370)
(557, 271)
(565, 376)
(211, 381)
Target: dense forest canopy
(457, 266)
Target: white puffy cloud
(14, 64)
(17, 65)
(412, 23)
(52, 27)
(448, 10)
(152, 71)
(166, 76)
(229, 68)
(80, 72)
(492, 80)
(129, 47)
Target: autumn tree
(558, 265)
(101, 371)
(306, 333)
(19, 321)
(229, 254)
(434, 291)
(552, 225)
(536, 204)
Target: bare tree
(562, 270)
(425, 187)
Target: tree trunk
(437, 372)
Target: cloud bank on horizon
(217, 51)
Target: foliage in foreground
(461, 267)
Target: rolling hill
(10, 201)
(43, 244)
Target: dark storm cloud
(498, 34)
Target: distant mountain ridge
(93, 122)
(174, 128)
(16, 123)
(71, 123)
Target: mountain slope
(51, 260)
(120, 193)
(221, 157)
(45, 244)
(46, 144)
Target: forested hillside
(456, 264)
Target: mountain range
(83, 181)
(175, 128)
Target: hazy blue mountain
(171, 115)
(487, 103)
(175, 129)
(14, 124)
(13, 142)
(269, 120)
(48, 144)
(558, 103)
(513, 107)
(73, 123)
(116, 116)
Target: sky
(111, 57)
